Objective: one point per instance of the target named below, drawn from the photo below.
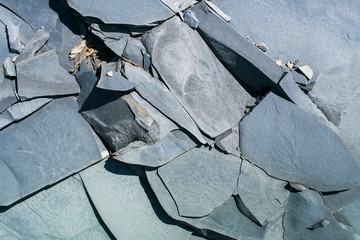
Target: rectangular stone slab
(208, 92)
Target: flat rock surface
(302, 149)
(189, 67)
(7, 96)
(200, 180)
(45, 148)
(127, 204)
(112, 80)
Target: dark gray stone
(43, 76)
(21, 110)
(223, 222)
(7, 96)
(191, 19)
(244, 60)
(87, 81)
(13, 32)
(112, 80)
(200, 180)
(61, 212)
(9, 68)
(134, 51)
(127, 205)
(176, 5)
(299, 77)
(44, 148)
(160, 153)
(302, 150)
(122, 12)
(155, 92)
(264, 196)
(198, 80)
(229, 141)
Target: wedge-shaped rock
(177, 6)
(46, 147)
(9, 68)
(229, 141)
(212, 97)
(87, 81)
(7, 96)
(112, 80)
(160, 153)
(243, 59)
(134, 51)
(264, 196)
(127, 205)
(36, 42)
(60, 212)
(21, 110)
(136, 12)
(223, 222)
(200, 180)
(43, 76)
(302, 150)
(156, 93)
(13, 32)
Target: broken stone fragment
(134, 51)
(7, 96)
(304, 150)
(216, 9)
(13, 33)
(9, 68)
(307, 71)
(299, 77)
(190, 19)
(42, 76)
(178, 5)
(229, 141)
(196, 77)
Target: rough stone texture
(156, 93)
(127, 204)
(264, 196)
(60, 212)
(7, 96)
(229, 141)
(295, 147)
(46, 147)
(136, 12)
(42, 75)
(243, 59)
(13, 32)
(35, 43)
(177, 5)
(189, 67)
(200, 180)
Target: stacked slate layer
(186, 120)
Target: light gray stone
(9, 68)
(191, 19)
(116, 82)
(229, 141)
(13, 32)
(178, 5)
(7, 96)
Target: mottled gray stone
(200, 180)
(9, 68)
(116, 82)
(229, 141)
(160, 153)
(21, 110)
(191, 19)
(134, 51)
(60, 212)
(196, 77)
(223, 222)
(44, 148)
(43, 76)
(136, 12)
(322, 37)
(7, 96)
(13, 32)
(177, 5)
(302, 150)
(250, 66)
(264, 196)
(127, 205)
(155, 92)
(35, 43)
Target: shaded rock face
(184, 119)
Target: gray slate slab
(34, 44)
(200, 180)
(299, 77)
(60, 212)
(177, 6)
(196, 77)
(127, 205)
(112, 80)
(300, 34)
(229, 141)
(302, 150)
(134, 51)
(21, 110)
(242, 58)
(42, 75)
(264, 196)
(87, 81)
(122, 12)
(224, 222)
(156, 93)
(44, 148)
(9, 68)
(7, 96)
(13, 32)
(160, 153)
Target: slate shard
(42, 76)
(9, 68)
(191, 19)
(229, 141)
(200, 180)
(7, 96)
(112, 80)
(250, 66)
(62, 211)
(127, 205)
(304, 150)
(299, 77)
(134, 51)
(157, 94)
(35, 44)
(177, 6)
(189, 67)
(134, 13)
(13, 32)
(44, 148)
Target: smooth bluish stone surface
(7, 96)
(36, 42)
